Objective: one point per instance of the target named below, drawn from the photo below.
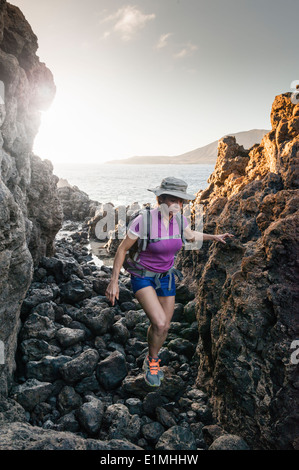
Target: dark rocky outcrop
(23, 436)
(247, 290)
(76, 204)
(30, 211)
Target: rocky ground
(79, 382)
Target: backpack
(141, 243)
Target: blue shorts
(140, 282)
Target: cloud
(106, 35)
(127, 21)
(187, 51)
(163, 40)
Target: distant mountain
(205, 155)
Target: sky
(159, 77)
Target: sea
(124, 184)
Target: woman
(155, 288)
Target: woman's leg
(168, 306)
(159, 311)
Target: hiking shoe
(160, 371)
(153, 375)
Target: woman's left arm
(193, 235)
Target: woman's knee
(148, 299)
(160, 326)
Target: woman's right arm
(112, 290)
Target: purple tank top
(159, 255)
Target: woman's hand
(112, 291)
(222, 237)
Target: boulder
(176, 438)
(112, 370)
(121, 424)
(69, 336)
(68, 399)
(31, 392)
(80, 367)
(96, 317)
(39, 327)
(152, 431)
(74, 291)
(229, 442)
(90, 415)
(47, 369)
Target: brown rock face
(30, 212)
(247, 290)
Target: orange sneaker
(152, 373)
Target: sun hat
(174, 187)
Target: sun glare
(73, 132)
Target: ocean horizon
(123, 184)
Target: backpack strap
(168, 237)
(144, 238)
(147, 224)
(143, 272)
(180, 221)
